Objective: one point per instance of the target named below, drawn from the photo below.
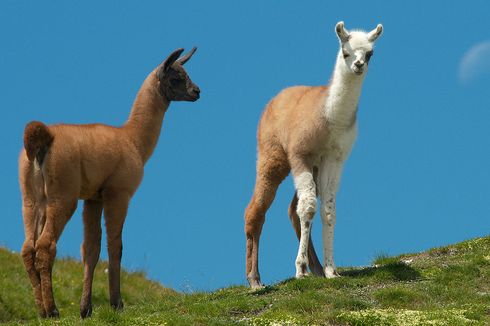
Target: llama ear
(186, 58)
(165, 65)
(375, 33)
(342, 33)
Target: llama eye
(175, 82)
(345, 54)
(369, 54)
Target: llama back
(292, 111)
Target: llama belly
(90, 191)
(92, 178)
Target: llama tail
(37, 139)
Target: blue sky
(418, 176)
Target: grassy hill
(442, 286)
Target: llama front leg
(329, 179)
(306, 189)
(328, 220)
(313, 261)
(115, 210)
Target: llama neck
(343, 98)
(146, 117)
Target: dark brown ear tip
(176, 52)
(339, 26)
(179, 50)
(187, 56)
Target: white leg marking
(329, 177)
(305, 185)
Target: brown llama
(99, 164)
(309, 131)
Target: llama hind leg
(313, 261)
(269, 175)
(57, 215)
(34, 215)
(92, 212)
(254, 220)
(28, 253)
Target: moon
(475, 62)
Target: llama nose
(359, 64)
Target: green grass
(442, 286)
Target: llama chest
(341, 127)
(338, 143)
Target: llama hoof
(254, 281)
(86, 312)
(301, 270)
(54, 313)
(255, 284)
(331, 273)
(119, 305)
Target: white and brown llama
(100, 164)
(309, 131)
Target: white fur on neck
(343, 96)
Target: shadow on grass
(393, 271)
(265, 290)
(397, 270)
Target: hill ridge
(448, 285)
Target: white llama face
(357, 47)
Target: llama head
(175, 84)
(356, 47)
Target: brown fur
(290, 130)
(100, 164)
